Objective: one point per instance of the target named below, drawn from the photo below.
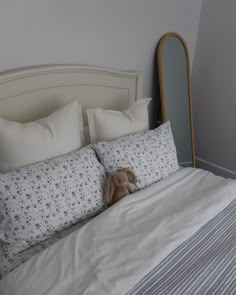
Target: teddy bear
(118, 185)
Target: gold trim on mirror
(161, 82)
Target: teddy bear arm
(121, 193)
(130, 188)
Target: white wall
(115, 33)
(214, 82)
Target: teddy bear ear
(131, 175)
(109, 190)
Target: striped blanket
(204, 264)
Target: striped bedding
(174, 237)
(204, 264)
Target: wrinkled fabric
(115, 250)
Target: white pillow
(40, 199)
(24, 144)
(108, 124)
(150, 154)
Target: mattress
(118, 250)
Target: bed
(175, 236)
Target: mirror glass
(175, 91)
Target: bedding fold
(114, 251)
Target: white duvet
(114, 251)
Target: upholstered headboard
(32, 93)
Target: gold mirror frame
(161, 82)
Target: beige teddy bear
(119, 185)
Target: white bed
(118, 249)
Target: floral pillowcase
(150, 154)
(38, 200)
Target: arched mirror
(175, 92)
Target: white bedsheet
(110, 254)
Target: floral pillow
(150, 154)
(40, 199)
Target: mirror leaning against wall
(175, 91)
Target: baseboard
(186, 164)
(216, 169)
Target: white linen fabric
(7, 264)
(40, 199)
(86, 136)
(151, 154)
(115, 250)
(24, 144)
(108, 124)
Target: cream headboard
(32, 93)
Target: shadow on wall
(213, 81)
(155, 105)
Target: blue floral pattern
(150, 154)
(40, 199)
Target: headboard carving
(32, 93)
